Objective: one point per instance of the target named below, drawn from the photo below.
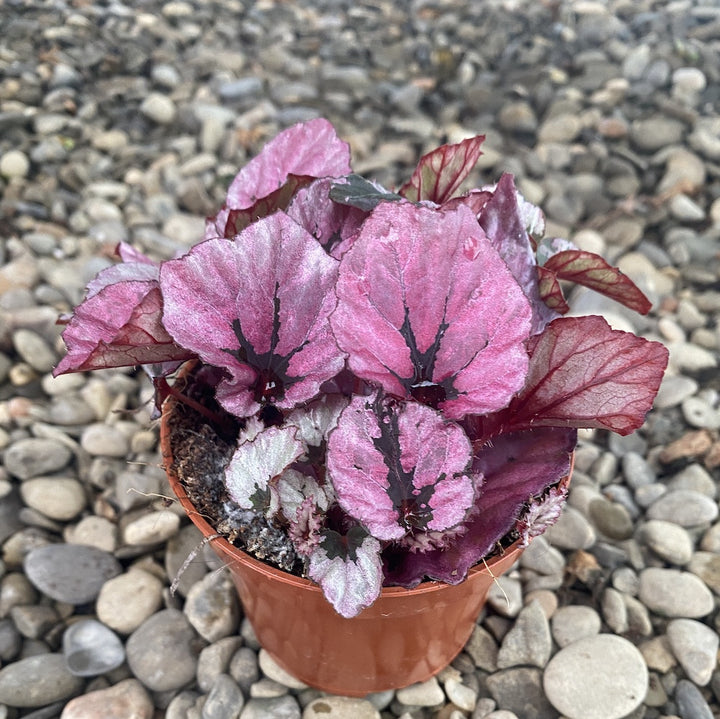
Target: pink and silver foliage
(407, 388)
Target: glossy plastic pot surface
(406, 636)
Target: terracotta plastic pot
(406, 636)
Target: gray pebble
(60, 498)
(572, 531)
(672, 593)
(422, 694)
(14, 163)
(696, 478)
(162, 652)
(636, 470)
(278, 708)
(244, 668)
(224, 701)
(339, 707)
(574, 622)
(37, 681)
(520, 690)
(483, 649)
(707, 566)
(34, 350)
(529, 641)
(600, 677)
(212, 606)
(272, 670)
(611, 519)
(505, 596)
(90, 648)
(215, 660)
(159, 108)
(106, 440)
(70, 573)
(668, 540)
(691, 703)
(695, 645)
(684, 507)
(674, 389)
(33, 457)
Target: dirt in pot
(201, 453)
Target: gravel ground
(126, 121)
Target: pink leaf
(591, 270)
(348, 569)
(134, 266)
(585, 374)
(400, 470)
(506, 228)
(257, 306)
(440, 173)
(311, 148)
(516, 468)
(427, 309)
(119, 326)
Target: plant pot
(405, 636)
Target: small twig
(188, 560)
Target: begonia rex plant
(407, 388)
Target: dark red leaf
(591, 270)
(119, 326)
(238, 220)
(585, 374)
(440, 173)
(551, 292)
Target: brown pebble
(691, 444)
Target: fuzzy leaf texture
(257, 306)
(119, 326)
(428, 310)
(516, 468)
(257, 462)
(348, 570)
(440, 173)
(400, 469)
(585, 374)
(591, 270)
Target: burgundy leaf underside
(119, 326)
(239, 219)
(516, 468)
(440, 173)
(585, 374)
(257, 306)
(456, 342)
(505, 228)
(591, 270)
(550, 291)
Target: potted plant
(382, 386)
